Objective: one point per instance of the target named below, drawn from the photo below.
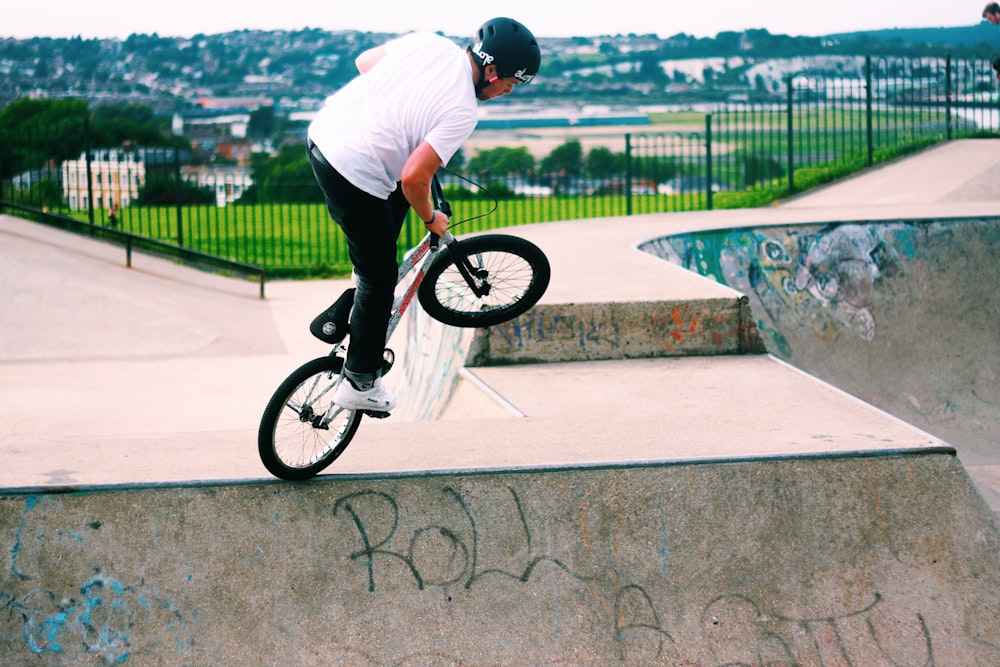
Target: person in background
(992, 14)
(374, 148)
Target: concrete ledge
(808, 561)
(626, 330)
(616, 303)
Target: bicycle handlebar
(437, 192)
(440, 203)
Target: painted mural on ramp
(903, 314)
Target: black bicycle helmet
(508, 45)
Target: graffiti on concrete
(901, 314)
(435, 353)
(457, 560)
(464, 548)
(738, 631)
(100, 618)
(735, 628)
(826, 276)
(612, 330)
(596, 327)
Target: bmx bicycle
(480, 281)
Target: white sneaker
(377, 398)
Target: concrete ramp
(904, 314)
(822, 560)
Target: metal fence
(795, 129)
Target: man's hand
(439, 225)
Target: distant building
(216, 129)
(228, 183)
(115, 178)
(245, 103)
(237, 151)
(29, 179)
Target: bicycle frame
(419, 258)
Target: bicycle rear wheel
(302, 431)
(484, 280)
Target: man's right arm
(416, 179)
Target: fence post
(947, 96)
(628, 174)
(708, 161)
(791, 135)
(178, 190)
(868, 111)
(4, 142)
(88, 159)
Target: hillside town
(237, 94)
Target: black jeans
(371, 226)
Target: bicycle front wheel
(302, 431)
(484, 280)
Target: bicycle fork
(475, 276)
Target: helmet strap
(481, 81)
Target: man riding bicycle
(374, 148)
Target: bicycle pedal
(377, 415)
(388, 359)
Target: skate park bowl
(731, 438)
(903, 314)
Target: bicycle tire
(515, 271)
(297, 439)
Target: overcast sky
(546, 18)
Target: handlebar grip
(435, 241)
(437, 192)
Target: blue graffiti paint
(29, 506)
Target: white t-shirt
(421, 90)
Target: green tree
(262, 122)
(565, 159)
(502, 161)
(650, 69)
(127, 124)
(286, 177)
(457, 161)
(654, 169)
(36, 132)
(757, 168)
(164, 190)
(602, 162)
(49, 131)
(44, 194)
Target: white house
(229, 183)
(115, 178)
